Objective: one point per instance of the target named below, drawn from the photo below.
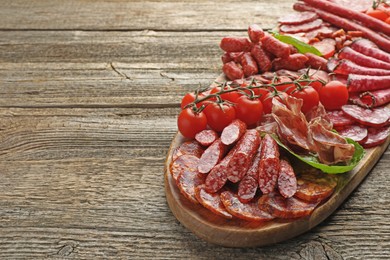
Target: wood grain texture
(89, 94)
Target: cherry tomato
(334, 95)
(191, 123)
(378, 14)
(249, 110)
(189, 98)
(317, 85)
(218, 118)
(230, 96)
(267, 103)
(309, 97)
(261, 92)
(287, 87)
(387, 20)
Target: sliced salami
(315, 186)
(217, 178)
(233, 132)
(187, 181)
(376, 117)
(339, 118)
(376, 98)
(298, 18)
(269, 164)
(281, 207)
(189, 147)
(376, 136)
(303, 27)
(246, 211)
(211, 156)
(360, 83)
(287, 182)
(245, 151)
(327, 47)
(211, 201)
(206, 137)
(354, 132)
(248, 185)
(186, 162)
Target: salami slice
(376, 98)
(360, 83)
(287, 182)
(376, 136)
(206, 137)
(339, 118)
(303, 27)
(281, 207)
(243, 155)
(269, 164)
(327, 47)
(249, 211)
(315, 186)
(233, 132)
(217, 178)
(211, 201)
(186, 162)
(211, 156)
(376, 117)
(189, 147)
(187, 181)
(248, 185)
(298, 18)
(355, 132)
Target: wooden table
(89, 94)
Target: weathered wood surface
(89, 93)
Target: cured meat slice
(315, 62)
(262, 58)
(375, 98)
(217, 178)
(366, 61)
(211, 201)
(339, 118)
(211, 156)
(303, 27)
(360, 83)
(274, 46)
(186, 162)
(376, 117)
(281, 207)
(355, 132)
(245, 150)
(298, 18)
(287, 182)
(319, 113)
(346, 67)
(382, 41)
(369, 48)
(189, 147)
(269, 164)
(248, 185)
(187, 181)
(206, 137)
(233, 132)
(315, 186)
(331, 147)
(246, 211)
(295, 61)
(327, 47)
(348, 13)
(321, 33)
(376, 136)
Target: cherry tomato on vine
(286, 84)
(191, 123)
(377, 14)
(250, 111)
(309, 97)
(334, 95)
(230, 96)
(267, 102)
(317, 85)
(219, 115)
(189, 98)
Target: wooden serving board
(239, 233)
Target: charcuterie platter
(296, 121)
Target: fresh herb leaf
(301, 46)
(331, 169)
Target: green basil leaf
(331, 169)
(301, 46)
